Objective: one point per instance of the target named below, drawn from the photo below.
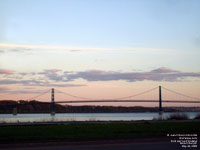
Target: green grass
(95, 131)
(178, 116)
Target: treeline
(22, 106)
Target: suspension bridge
(126, 99)
(177, 98)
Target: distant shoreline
(8, 106)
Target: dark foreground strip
(95, 131)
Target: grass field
(96, 131)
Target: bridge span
(125, 99)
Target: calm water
(10, 118)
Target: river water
(10, 118)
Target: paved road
(142, 144)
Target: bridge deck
(126, 101)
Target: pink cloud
(53, 71)
(6, 71)
(96, 71)
(164, 70)
(160, 74)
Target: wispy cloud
(17, 47)
(75, 50)
(60, 78)
(3, 89)
(21, 91)
(160, 74)
(52, 74)
(37, 83)
(46, 78)
(61, 48)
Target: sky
(99, 49)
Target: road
(141, 144)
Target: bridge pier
(52, 103)
(160, 101)
(15, 111)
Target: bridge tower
(160, 101)
(52, 102)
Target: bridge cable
(181, 94)
(109, 99)
(72, 95)
(32, 98)
(137, 94)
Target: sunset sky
(98, 48)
